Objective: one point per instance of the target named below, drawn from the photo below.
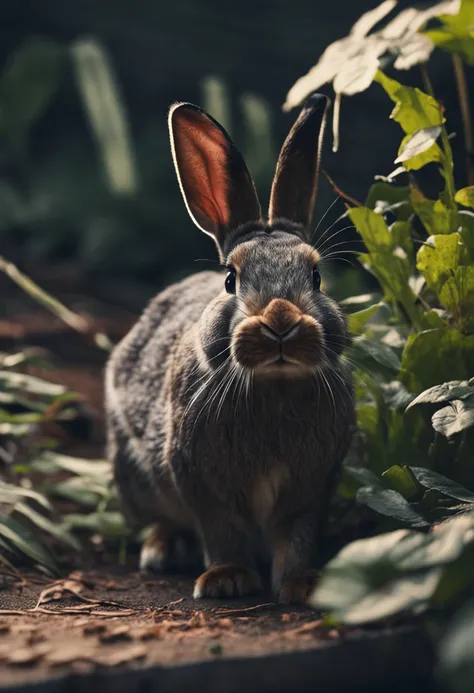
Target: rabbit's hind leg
(170, 548)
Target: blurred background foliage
(86, 176)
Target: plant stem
(77, 322)
(446, 155)
(463, 94)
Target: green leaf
(81, 490)
(11, 494)
(381, 353)
(418, 148)
(363, 582)
(373, 229)
(465, 196)
(433, 480)
(457, 294)
(386, 197)
(434, 215)
(76, 465)
(111, 525)
(437, 355)
(27, 85)
(456, 34)
(439, 258)
(30, 384)
(454, 389)
(47, 525)
(454, 418)
(392, 504)
(356, 321)
(24, 541)
(414, 110)
(363, 476)
(401, 479)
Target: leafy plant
(33, 477)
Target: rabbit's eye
(230, 281)
(316, 279)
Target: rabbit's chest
(265, 490)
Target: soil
(151, 621)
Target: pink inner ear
(201, 152)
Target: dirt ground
(94, 620)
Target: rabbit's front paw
(226, 581)
(298, 588)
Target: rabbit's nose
(280, 319)
(280, 338)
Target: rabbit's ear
(296, 179)
(216, 185)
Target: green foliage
(401, 571)
(455, 35)
(30, 528)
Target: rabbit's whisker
(336, 199)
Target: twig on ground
(77, 322)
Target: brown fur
(229, 415)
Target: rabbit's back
(137, 368)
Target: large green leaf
(433, 480)
(378, 577)
(455, 389)
(454, 418)
(414, 110)
(392, 504)
(437, 355)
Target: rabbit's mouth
(281, 341)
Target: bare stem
(77, 322)
(463, 95)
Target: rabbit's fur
(229, 414)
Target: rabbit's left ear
(216, 185)
(296, 178)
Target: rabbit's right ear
(216, 185)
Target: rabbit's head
(271, 317)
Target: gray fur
(247, 464)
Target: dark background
(64, 215)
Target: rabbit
(229, 408)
